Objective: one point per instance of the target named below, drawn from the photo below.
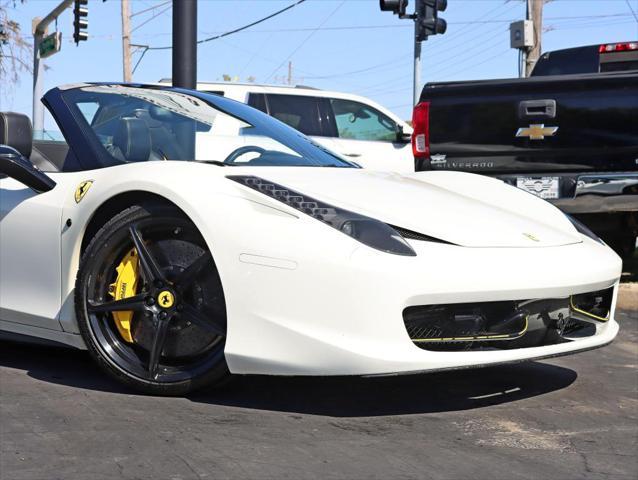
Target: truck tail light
(618, 47)
(421, 126)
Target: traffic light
(395, 6)
(427, 18)
(80, 21)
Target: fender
(191, 186)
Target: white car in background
(353, 126)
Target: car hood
(460, 208)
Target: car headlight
(366, 230)
(584, 230)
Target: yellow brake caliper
(125, 286)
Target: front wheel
(150, 304)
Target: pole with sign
(50, 44)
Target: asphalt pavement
(569, 418)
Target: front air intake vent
(410, 235)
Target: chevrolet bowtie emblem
(537, 131)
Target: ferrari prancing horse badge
(82, 189)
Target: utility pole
(290, 72)
(39, 32)
(126, 41)
(185, 43)
(535, 14)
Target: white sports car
(177, 253)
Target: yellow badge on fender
(82, 189)
(532, 237)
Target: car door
(30, 273)
(369, 137)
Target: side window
(258, 101)
(88, 110)
(358, 121)
(300, 112)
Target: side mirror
(403, 137)
(13, 164)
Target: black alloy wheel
(178, 325)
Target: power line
(256, 22)
(472, 25)
(499, 54)
(306, 39)
(262, 57)
(449, 58)
(146, 48)
(437, 71)
(405, 26)
(157, 14)
(551, 28)
(363, 70)
(632, 10)
(398, 26)
(255, 54)
(151, 8)
(404, 58)
(459, 34)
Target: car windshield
(138, 124)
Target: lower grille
(465, 322)
(504, 325)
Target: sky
(343, 45)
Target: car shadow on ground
(330, 396)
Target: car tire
(170, 347)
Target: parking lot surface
(571, 417)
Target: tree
(15, 49)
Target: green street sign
(50, 44)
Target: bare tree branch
(15, 49)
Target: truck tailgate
(551, 124)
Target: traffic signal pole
(416, 90)
(39, 31)
(426, 22)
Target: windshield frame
(82, 139)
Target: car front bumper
(334, 314)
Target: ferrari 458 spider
(178, 252)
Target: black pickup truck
(568, 134)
